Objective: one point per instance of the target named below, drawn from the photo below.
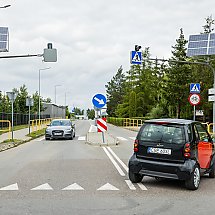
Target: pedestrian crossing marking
(74, 186)
(11, 187)
(82, 138)
(45, 186)
(195, 88)
(122, 138)
(142, 187)
(107, 187)
(130, 185)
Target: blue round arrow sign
(99, 100)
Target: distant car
(60, 129)
(175, 149)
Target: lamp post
(55, 92)
(65, 96)
(39, 92)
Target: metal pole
(194, 112)
(12, 118)
(39, 94)
(103, 137)
(39, 98)
(29, 117)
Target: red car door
(205, 147)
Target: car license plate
(159, 151)
(57, 134)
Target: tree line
(157, 89)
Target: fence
(5, 127)
(136, 123)
(19, 118)
(37, 124)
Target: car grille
(57, 133)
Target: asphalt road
(71, 177)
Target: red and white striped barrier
(101, 124)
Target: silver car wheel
(196, 177)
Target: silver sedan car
(60, 129)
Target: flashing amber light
(187, 150)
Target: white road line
(74, 186)
(122, 138)
(81, 138)
(118, 159)
(108, 187)
(45, 186)
(142, 187)
(133, 138)
(11, 187)
(130, 185)
(114, 162)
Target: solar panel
(202, 44)
(3, 39)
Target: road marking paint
(93, 128)
(108, 187)
(114, 162)
(118, 159)
(142, 187)
(45, 186)
(81, 138)
(133, 138)
(11, 187)
(122, 138)
(130, 185)
(74, 186)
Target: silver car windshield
(61, 123)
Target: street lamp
(55, 89)
(39, 91)
(65, 96)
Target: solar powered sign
(4, 39)
(201, 44)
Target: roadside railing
(6, 127)
(38, 124)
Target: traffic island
(96, 139)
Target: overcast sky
(93, 38)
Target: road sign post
(102, 127)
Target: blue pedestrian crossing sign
(136, 57)
(195, 88)
(99, 100)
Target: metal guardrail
(134, 123)
(37, 124)
(6, 128)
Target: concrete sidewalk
(19, 135)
